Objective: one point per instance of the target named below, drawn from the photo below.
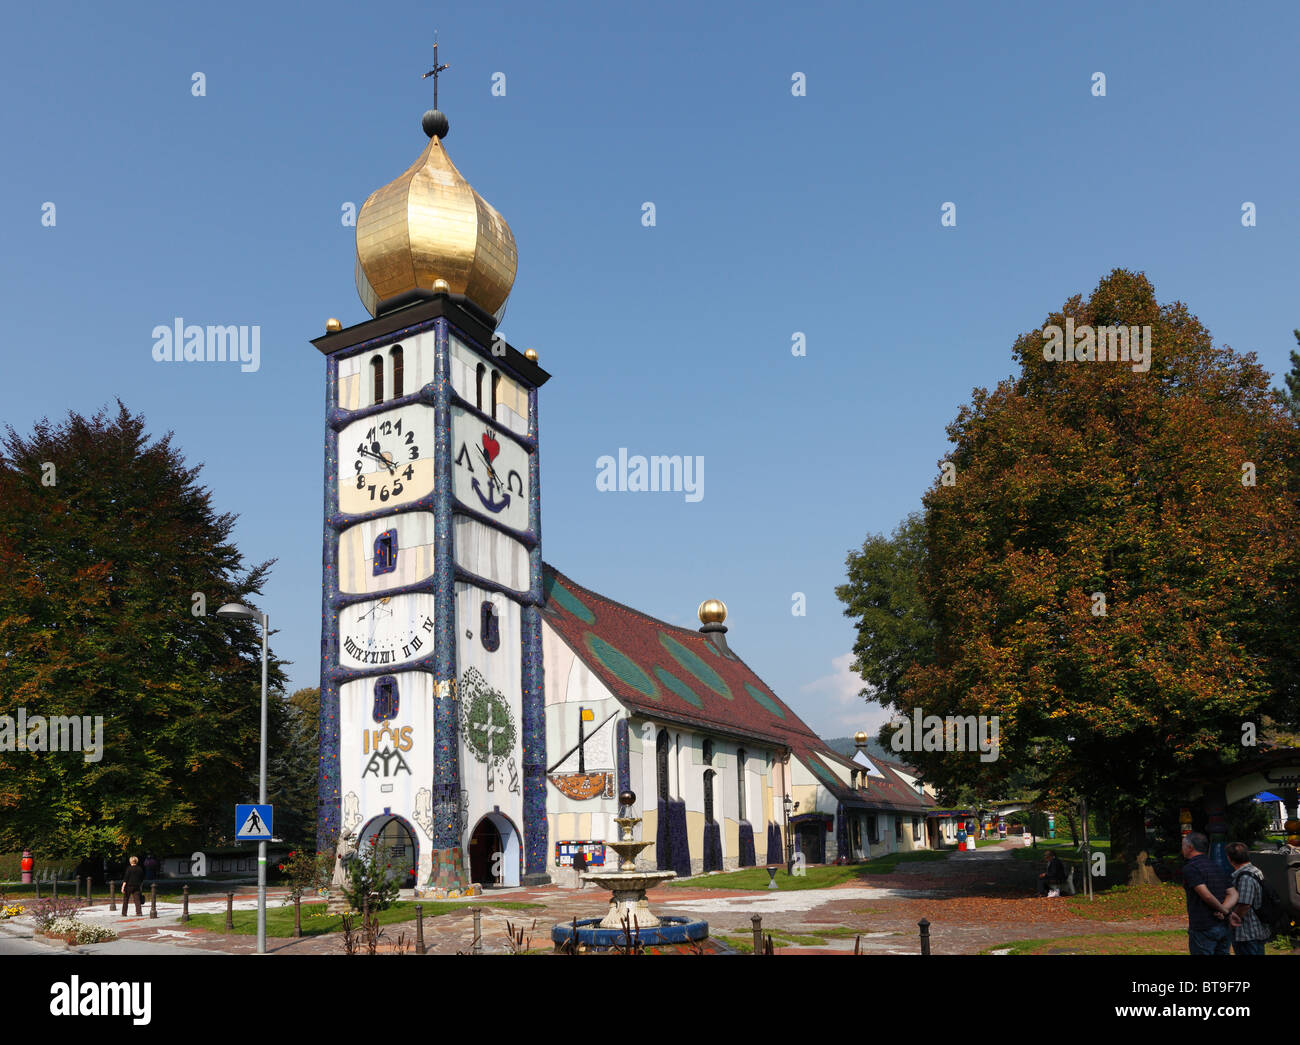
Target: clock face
(491, 472)
(386, 631)
(386, 460)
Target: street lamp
(239, 611)
(789, 842)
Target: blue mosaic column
(329, 800)
(448, 861)
(534, 682)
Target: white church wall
(492, 779)
(356, 385)
(490, 554)
(415, 546)
(571, 685)
(400, 782)
(512, 397)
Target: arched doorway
(397, 847)
(494, 834)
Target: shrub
(48, 909)
(370, 882)
(306, 872)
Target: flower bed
(73, 930)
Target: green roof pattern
(764, 700)
(620, 664)
(569, 602)
(695, 666)
(679, 687)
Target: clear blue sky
(775, 214)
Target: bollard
(153, 899)
(55, 879)
(758, 933)
(297, 916)
(230, 912)
(185, 903)
(77, 893)
(924, 923)
(112, 896)
(478, 930)
(419, 929)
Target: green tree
(895, 628)
(1100, 575)
(105, 538)
(1290, 395)
(293, 762)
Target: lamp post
(240, 611)
(789, 842)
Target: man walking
(1249, 933)
(1209, 898)
(132, 883)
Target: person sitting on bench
(1051, 877)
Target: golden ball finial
(859, 738)
(530, 354)
(712, 611)
(442, 286)
(333, 325)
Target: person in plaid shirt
(1249, 934)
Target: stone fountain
(628, 900)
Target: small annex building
(674, 715)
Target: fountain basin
(669, 930)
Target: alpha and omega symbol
(499, 491)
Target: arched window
(397, 370)
(496, 384)
(489, 629)
(386, 701)
(709, 774)
(377, 378)
(740, 785)
(479, 371)
(661, 760)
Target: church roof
(668, 673)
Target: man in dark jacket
(133, 883)
(1210, 897)
(1052, 875)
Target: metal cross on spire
(435, 70)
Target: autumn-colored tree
(105, 539)
(1113, 571)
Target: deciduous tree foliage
(96, 619)
(1076, 478)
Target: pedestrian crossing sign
(253, 823)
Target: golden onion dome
(859, 738)
(712, 611)
(430, 226)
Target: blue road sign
(253, 823)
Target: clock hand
(496, 480)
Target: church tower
(432, 732)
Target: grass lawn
(816, 877)
(279, 920)
(1171, 942)
(1121, 903)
